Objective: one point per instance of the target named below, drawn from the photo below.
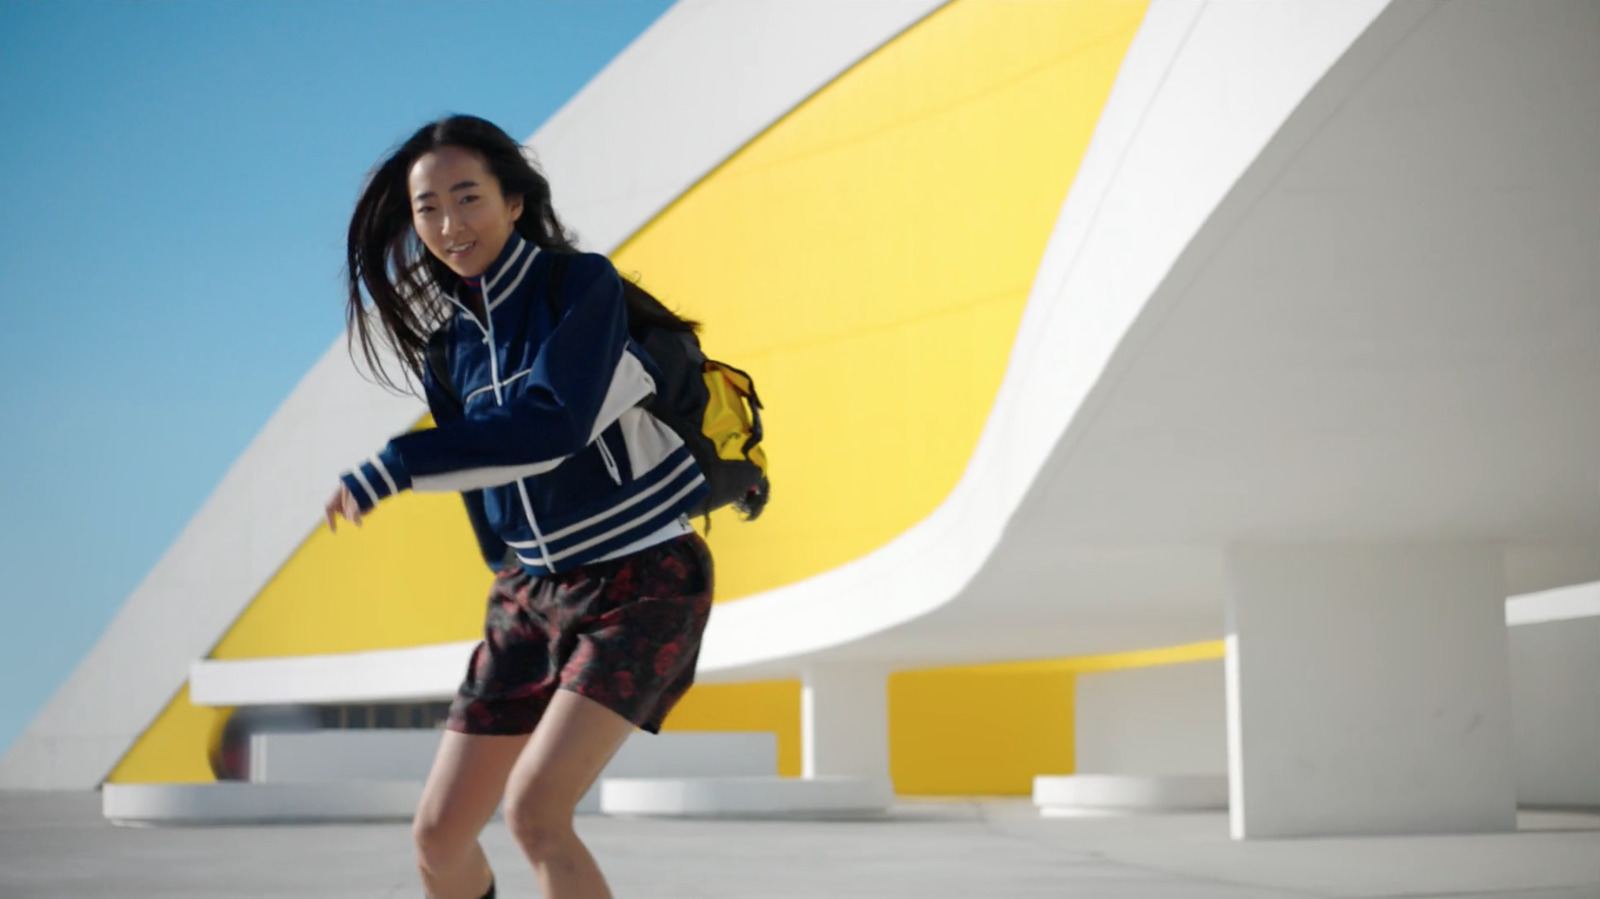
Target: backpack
(710, 405)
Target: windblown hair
(407, 284)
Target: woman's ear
(514, 206)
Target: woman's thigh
(466, 783)
(572, 744)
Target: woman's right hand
(343, 503)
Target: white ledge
(251, 803)
(1092, 795)
(746, 797)
(1562, 604)
(432, 673)
(414, 674)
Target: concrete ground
(57, 845)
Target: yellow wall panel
(978, 730)
(177, 747)
(988, 729)
(763, 706)
(953, 732)
(409, 576)
(868, 258)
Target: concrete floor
(58, 846)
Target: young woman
(577, 494)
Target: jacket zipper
(500, 400)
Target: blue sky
(176, 179)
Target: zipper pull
(611, 463)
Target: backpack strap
(755, 408)
(556, 280)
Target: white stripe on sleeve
(372, 495)
(377, 463)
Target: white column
(1555, 704)
(1368, 691)
(844, 722)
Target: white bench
(363, 775)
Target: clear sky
(175, 181)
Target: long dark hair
(407, 283)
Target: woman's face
(458, 211)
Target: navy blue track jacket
(555, 455)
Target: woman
(577, 494)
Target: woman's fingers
(343, 503)
(352, 509)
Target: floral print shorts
(622, 632)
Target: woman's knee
(541, 828)
(439, 843)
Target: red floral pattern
(624, 633)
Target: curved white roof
(1326, 275)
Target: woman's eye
(424, 210)
(469, 198)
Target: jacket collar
(503, 276)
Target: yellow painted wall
(983, 730)
(409, 576)
(177, 747)
(765, 705)
(988, 729)
(868, 258)
(956, 732)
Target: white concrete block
(696, 754)
(1368, 691)
(746, 797)
(1555, 707)
(329, 756)
(232, 802)
(391, 756)
(1087, 795)
(342, 756)
(844, 722)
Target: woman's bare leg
(573, 742)
(468, 778)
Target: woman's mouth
(460, 250)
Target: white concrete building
(1310, 363)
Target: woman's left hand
(342, 503)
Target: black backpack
(712, 406)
